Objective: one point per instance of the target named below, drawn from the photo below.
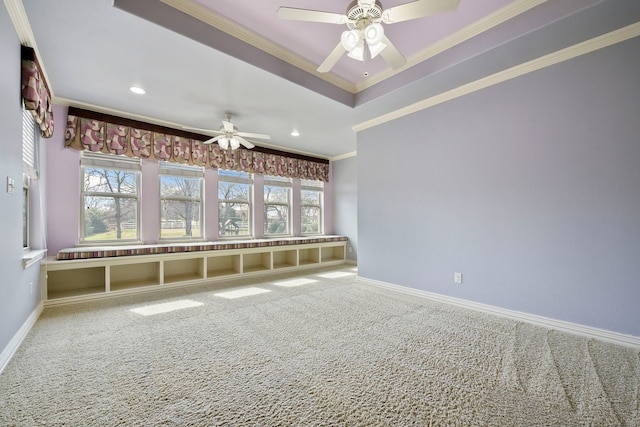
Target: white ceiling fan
(364, 19)
(228, 136)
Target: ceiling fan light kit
(228, 136)
(364, 18)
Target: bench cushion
(167, 248)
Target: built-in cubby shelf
(75, 281)
(81, 279)
(135, 275)
(284, 259)
(253, 262)
(184, 269)
(223, 265)
(308, 256)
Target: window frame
(97, 160)
(188, 172)
(238, 177)
(276, 181)
(317, 186)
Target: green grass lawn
(131, 234)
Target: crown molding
(557, 57)
(207, 16)
(500, 16)
(344, 156)
(20, 22)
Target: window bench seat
(78, 274)
(168, 248)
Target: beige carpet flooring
(316, 349)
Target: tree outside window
(110, 204)
(277, 202)
(234, 203)
(181, 210)
(311, 207)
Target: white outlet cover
(457, 277)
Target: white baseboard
(17, 339)
(560, 325)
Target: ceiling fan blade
(332, 59)
(244, 142)
(212, 140)
(311, 15)
(253, 135)
(417, 9)
(392, 55)
(215, 132)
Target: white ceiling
(194, 71)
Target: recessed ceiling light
(138, 90)
(295, 132)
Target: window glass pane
(25, 217)
(310, 221)
(180, 207)
(310, 197)
(110, 218)
(179, 187)
(276, 219)
(276, 194)
(179, 219)
(233, 191)
(234, 219)
(98, 180)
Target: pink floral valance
(35, 92)
(136, 140)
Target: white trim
(545, 322)
(30, 257)
(344, 156)
(557, 57)
(17, 339)
(20, 21)
(211, 18)
(207, 16)
(500, 16)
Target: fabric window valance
(109, 134)
(35, 92)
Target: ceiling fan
(364, 20)
(228, 136)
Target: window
(110, 198)
(311, 206)
(277, 206)
(235, 193)
(29, 171)
(181, 207)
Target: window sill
(31, 257)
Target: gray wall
(16, 303)
(530, 188)
(345, 200)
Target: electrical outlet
(457, 278)
(350, 250)
(30, 288)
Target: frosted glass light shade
(350, 39)
(376, 49)
(223, 143)
(374, 34)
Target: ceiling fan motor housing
(361, 16)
